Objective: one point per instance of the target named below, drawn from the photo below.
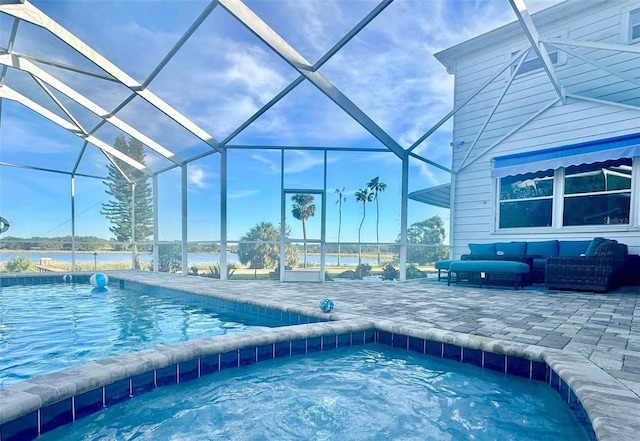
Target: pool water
(360, 393)
(46, 328)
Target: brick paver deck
(605, 328)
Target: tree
(341, 198)
(169, 257)
(121, 188)
(377, 186)
(259, 254)
(19, 264)
(303, 209)
(363, 195)
(427, 232)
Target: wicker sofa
(534, 253)
(601, 269)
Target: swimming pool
(365, 392)
(47, 328)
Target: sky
(218, 79)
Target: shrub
(19, 264)
(169, 257)
(414, 273)
(389, 272)
(215, 270)
(363, 270)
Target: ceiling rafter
(18, 62)
(614, 72)
(495, 106)
(55, 99)
(259, 28)
(326, 57)
(29, 13)
(592, 44)
(475, 93)
(520, 8)
(9, 93)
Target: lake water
(61, 256)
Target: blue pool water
(46, 328)
(360, 393)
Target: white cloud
(271, 165)
(242, 194)
(197, 176)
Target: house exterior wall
(520, 122)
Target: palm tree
(303, 209)
(363, 195)
(341, 198)
(377, 186)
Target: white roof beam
(31, 14)
(475, 93)
(63, 172)
(196, 24)
(352, 33)
(592, 44)
(515, 130)
(8, 93)
(326, 57)
(258, 27)
(495, 107)
(27, 66)
(58, 103)
(520, 8)
(63, 66)
(12, 39)
(11, 94)
(614, 72)
(605, 102)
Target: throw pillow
(483, 248)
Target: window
(598, 194)
(634, 25)
(526, 200)
(532, 62)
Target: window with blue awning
(627, 146)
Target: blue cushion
(489, 266)
(593, 246)
(511, 248)
(483, 248)
(443, 264)
(573, 247)
(543, 249)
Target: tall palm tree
(303, 209)
(377, 186)
(363, 195)
(341, 198)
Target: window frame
(557, 208)
(561, 58)
(633, 25)
(501, 201)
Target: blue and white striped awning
(626, 146)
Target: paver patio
(605, 328)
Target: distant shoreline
(383, 256)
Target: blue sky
(219, 78)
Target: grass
(204, 269)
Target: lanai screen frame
(22, 10)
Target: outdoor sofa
(585, 257)
(601, 269)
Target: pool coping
(610, 406)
